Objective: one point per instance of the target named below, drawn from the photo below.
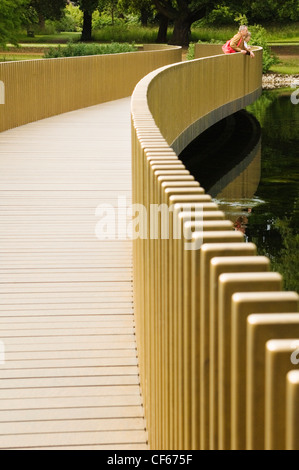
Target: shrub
(191, 51)
(80, 49)
(259, 39)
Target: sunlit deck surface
(70, 376)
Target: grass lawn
(7, 57)
(287, 65)
(61, 38)
(289, 58)
(287, 42)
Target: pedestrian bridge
(110, 341)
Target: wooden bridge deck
(70, 375)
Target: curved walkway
(70, 374)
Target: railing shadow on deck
(206, 305)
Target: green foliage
(88, 5)
(12, 18)
(191, 51)
(208, 33)
(241, 19)
(143, 10)
(259, 38)
(101, 20)
(287, 262)
(72, 19)
(80, 49)
(49, 10)
(275, 10)
(221, 15)
(50, 27)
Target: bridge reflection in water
(229, 166)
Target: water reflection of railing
(242, 181)
(208, 373)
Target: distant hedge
(81, 49)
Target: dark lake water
(249, 164)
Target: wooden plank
(66, 306)
(58, 320)
(75, 354)
(44, 297)
(47, 287)
(99, 447)
(68, 363)
(71, 277)
(90, 412)
(21, 346)
(72, 381)
(74, 332)
(35, 427)
(72, 439)
(83, 391)
(69, 372)
(69, 402)
(80, 323)
(116, 310)
(68, 341)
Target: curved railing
(36, 89)
(210, 378)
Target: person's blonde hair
(242, 27)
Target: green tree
(274, 10)
(12, 17)
(143, 8)
(41, 10)
(183, 13)
(264, 11)
(146, 10)
(110, 6)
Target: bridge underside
(70, 376)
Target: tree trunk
(181, 32)
(41, 22)
(144, 16)
(87, 27)
(163, 27)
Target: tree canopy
(12, 17)
(49, 10)
(274, 10)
